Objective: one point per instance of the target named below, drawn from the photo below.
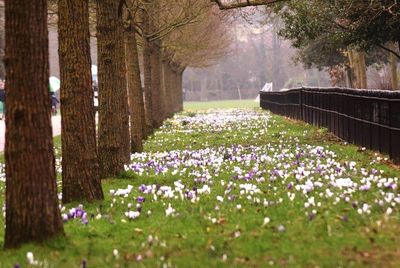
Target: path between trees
(56, 122)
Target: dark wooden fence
(368, 118)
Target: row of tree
(165, 36)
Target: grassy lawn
(239, 188)
(225, 104)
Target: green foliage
(323, 30)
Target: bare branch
(389, 50)
(245, 3)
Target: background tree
(194, 45)
(32, 212)
(135, 90)
(358, 26)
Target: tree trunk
(135, 93)
(349, 76)
(32, 212)
(157, 109)
(362, 70)
(359, 70)
(114, 148)
(393, 67)
(147, 75)
(180, 90)
(169, 90)
(124, 104)
(80, 166)
(352, 69)
(203, 88)
(277, 70)
(164, 88)
(175, 75)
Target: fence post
(301, 103)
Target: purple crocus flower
(142, 188)
(190, 195)
(141, 199)
(78, 213)
(85, 219)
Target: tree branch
(389, 50)
(244, 3)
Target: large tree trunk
(80, 166)
(114, 148)
(2, 43)
(147, 75)
(32, 212)
(135, 93)
(393, 67)
(124, 102)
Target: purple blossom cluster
(76, 213)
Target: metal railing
(368, 118)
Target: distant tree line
(342, 36)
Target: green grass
(225, 104)
(191, 239)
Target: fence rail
(368, 118)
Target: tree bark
(168, 85)
(164, 89)
(32, 212)
(80, 166)
(175, 86)
(114, 148)
(180, 89)
(147, 75)
(174, 89)
(177, 75)
(157, 107)
(135, 93)
(353, 69)
(359, 69)
(362, 70)
(393, 67)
